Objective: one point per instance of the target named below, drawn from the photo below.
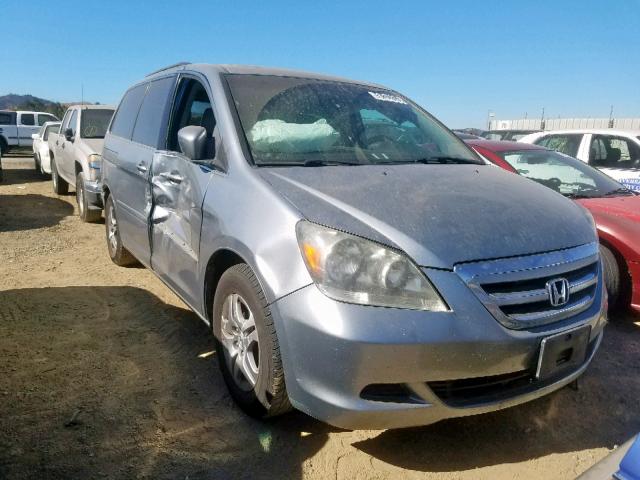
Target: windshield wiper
(325, 163)
(440, 159)
(576, 196)
(619, 191)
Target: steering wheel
(380, 139)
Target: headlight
(95, 165)
(351, 269)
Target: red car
(615, 208)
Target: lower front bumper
(333, 352)
(93, 193)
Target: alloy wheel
(240, 341)
(112, 232)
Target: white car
(615, 152)
(41, 155)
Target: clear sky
(458, 59)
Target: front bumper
(634, 271)
(93, 193)
(332, 352)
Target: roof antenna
(82, 94)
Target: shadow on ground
(43, 212)
(602, 413)
(16, 176)
(113, 382)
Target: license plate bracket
(562, 352)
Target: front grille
(514, 289)
(476, 390)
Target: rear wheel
(60, 186)
(247, 344)
(85, 213)
(118, 254)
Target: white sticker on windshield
(387, 97)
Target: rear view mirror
(68, 134)
(193, 142)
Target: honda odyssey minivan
(353, 258)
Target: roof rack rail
(179, 64)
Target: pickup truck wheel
(118, 254)
(36, 163)
(85, 213)
(60, 187)
(4, 147)
(247, 344)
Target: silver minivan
(353, 258)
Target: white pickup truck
(16, 128)
(76, 156)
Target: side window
(49, 129)
(192, 107)
(42, 119)
(125, 116)
(73, 123)
(151, 125)
(6, 119)
(567, 144)
(27, 119)
(613, 152)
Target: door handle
(172, 177)
(142, 168)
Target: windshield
(95, 122)
(301, 121)
(562, 173)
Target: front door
(178, 188)
(27, 126)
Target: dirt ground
(104, 373)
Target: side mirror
(34, 136)
(68, 134)
(193, 142)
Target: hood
(440, 215)
(623, 206)
(91, 145)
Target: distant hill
(29, 102)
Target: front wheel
(60, 186)
(36, 162)
(247, 344)
(85, 213)
(612, 278)
(118, 254)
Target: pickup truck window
(7, 119)
(151, 125)
(94, 122)
(27, 119)
(42, 119)
(127, 112)
(302, 121)
(73, 122)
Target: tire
(36, 162)
(262, 393)
(612, 277)
(118, 254)
(84, 212)
(60, 186)
(4, 147)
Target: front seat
(208, 121)
(613, 157)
